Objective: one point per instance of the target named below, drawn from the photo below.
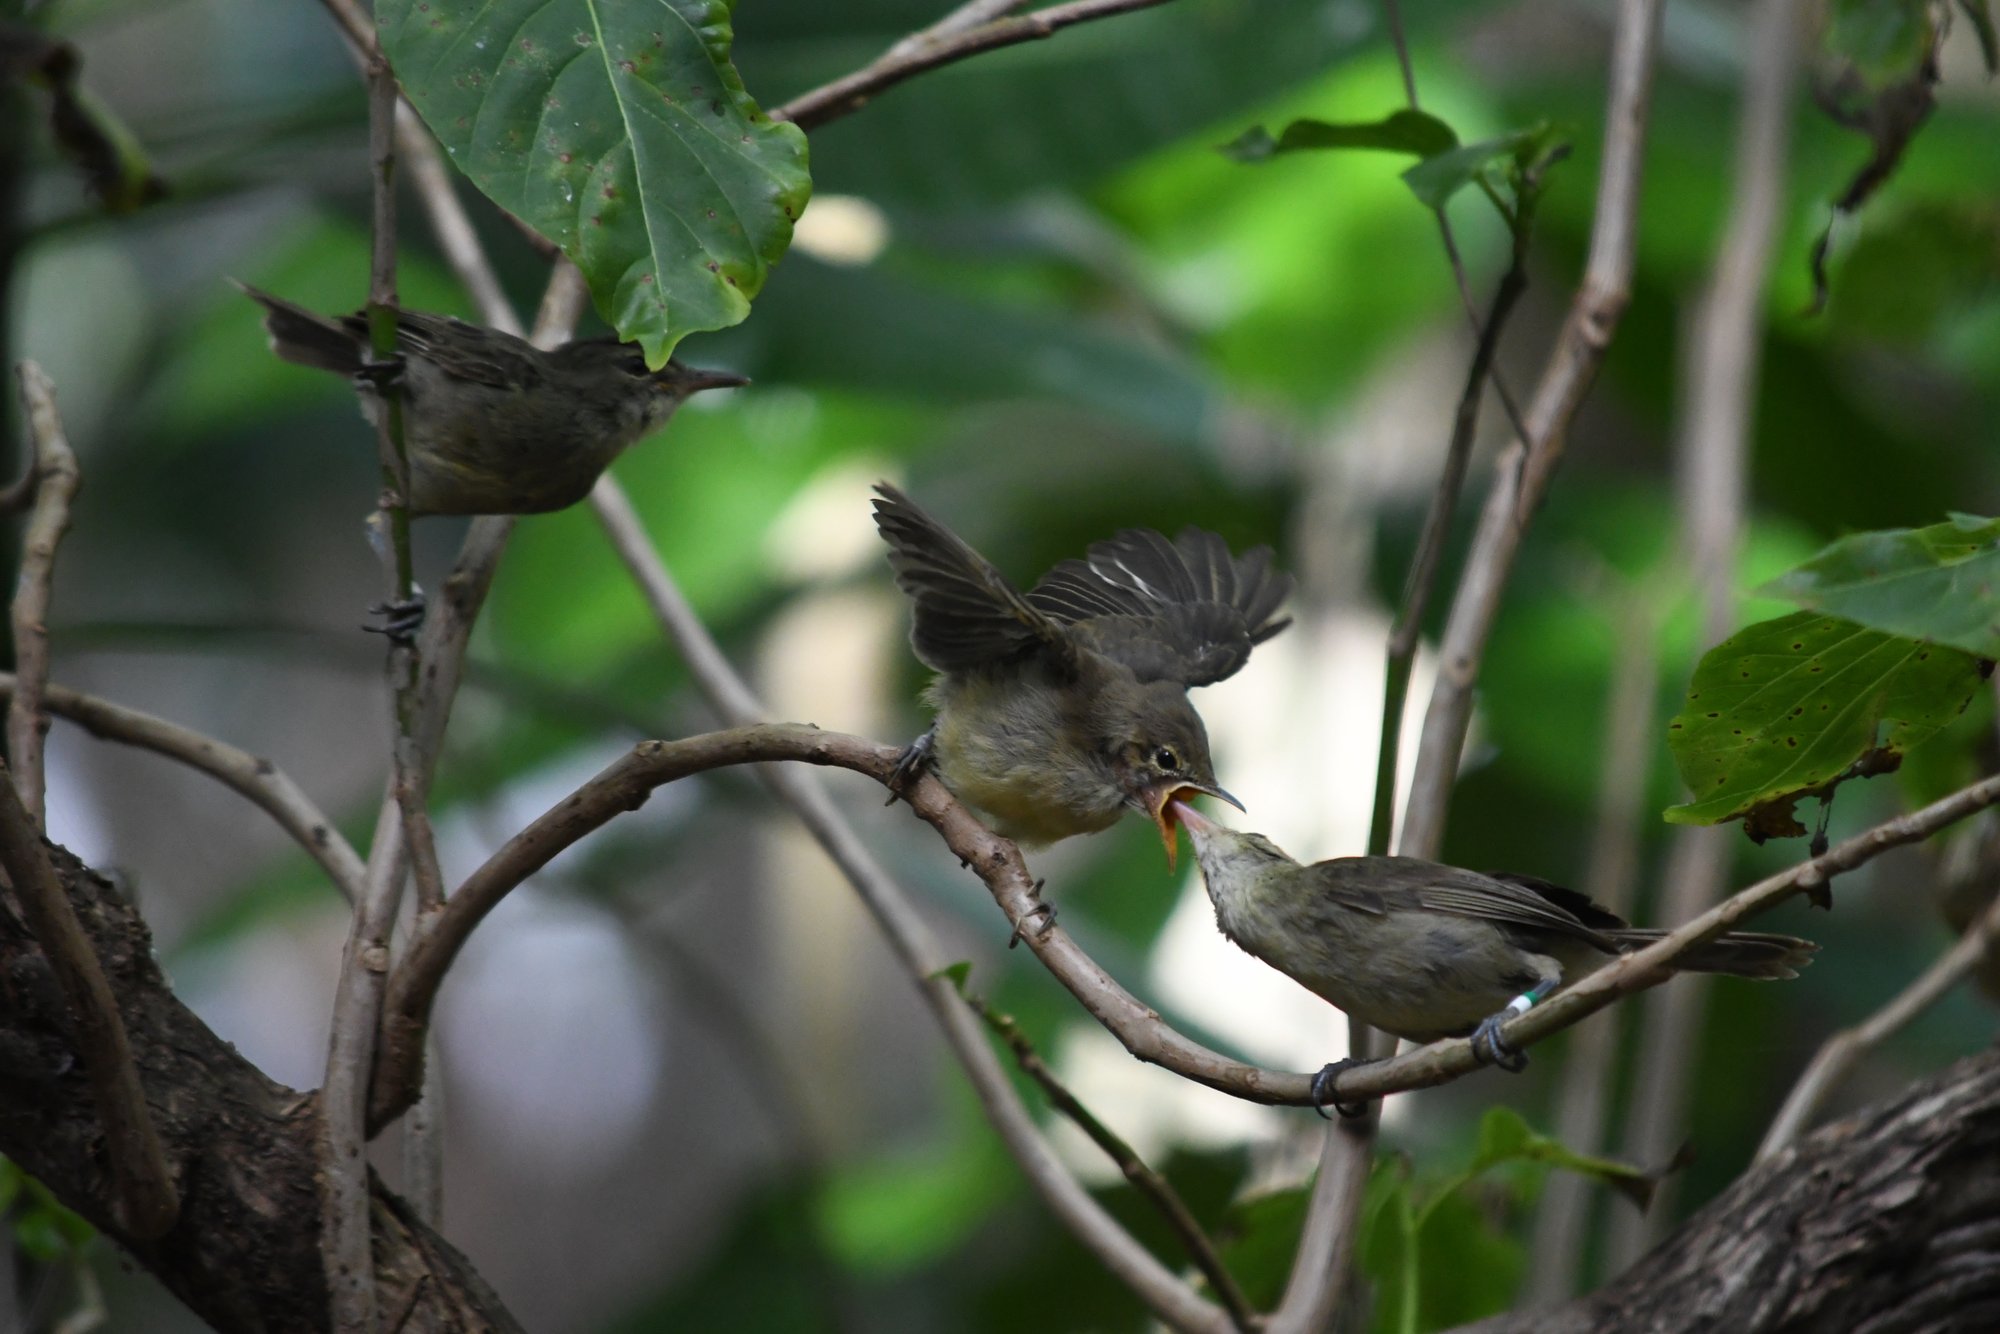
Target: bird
(1427, 951)
(492, 423)
(1061, 708)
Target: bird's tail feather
(1740, 953)
(304, 338)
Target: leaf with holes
(1787, 708)
(1940, 583)
(619, 130)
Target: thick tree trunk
(244, 1253)
(1885, 1223)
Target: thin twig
(253, 776)
(1422, 577)
(430, 179)
(1722, 356)
(851, 92)
(1156, 1189)
(1523, 471)
(55, 467)
(1838, 1054)
(146, 1201)
(1115, 1248)
(402, 832)
(1583, 1098)
(1398, 39)
(971, 14)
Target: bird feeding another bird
(1427, 951)
(1061, 708)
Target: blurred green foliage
(1083, 317)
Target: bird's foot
(1493, 1049)
(1046, 912)
(401, 618)
(1488, 1043)
(910, 765)
(382, 378)
(1322, 1090)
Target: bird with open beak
(1426, 951)
(1061, 708)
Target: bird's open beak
(1166, 801)
(692, 379)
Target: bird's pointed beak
(1165, 802)
(693, 379)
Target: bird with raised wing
(1061, 708)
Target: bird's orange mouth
(1159, 806)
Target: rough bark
(1885, 1223)
(244, 1254)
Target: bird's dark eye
(1166, 759)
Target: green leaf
(957, 974)
(1505, 1136)
(1413, 132)
(1940, 583)
(620, 131)
(1788, 708)
(1436, 179)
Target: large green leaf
(1940, 583)
(619, 130)
(1788, 708)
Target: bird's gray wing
(464, 351)
(967, 614)
(1185, 610)
(1515, 901)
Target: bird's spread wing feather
(1185, 610)
(967, 614)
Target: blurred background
(686, 1088)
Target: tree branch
(1150, 1185)
(57, 479)
(346, 1232)
(1523, 470)
(144, 1200)
(1838, 1054)
(852, 92)
(244, 1255)
(252, 776)
(1723, 354)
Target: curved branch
(1838, 1053)
(251, 776)
(941, 45)
(625, 785)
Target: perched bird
(1061, 708)
(493, 424)
(1427, 951)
